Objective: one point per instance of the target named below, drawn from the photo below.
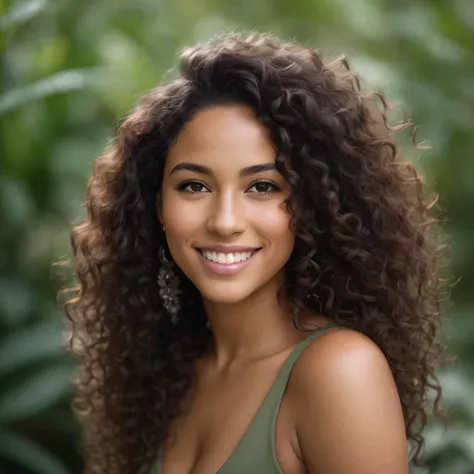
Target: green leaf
(21, 12)
(21, 206)
(35, 393)
(31, 344)
(458, 389)
(61, 82)
(30, 455)
(17, 299)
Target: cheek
(274, 225)
(182, 223)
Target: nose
(227, 216)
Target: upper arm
(346, 407)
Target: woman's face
(222, 205)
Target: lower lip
(227, 269)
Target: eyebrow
(247, 171)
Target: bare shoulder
(346, 407)
(336, 350)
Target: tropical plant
(70, 69)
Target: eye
(263, 187)
(194, 187)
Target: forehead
(229, 135)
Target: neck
(254, 328)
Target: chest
(219, 413)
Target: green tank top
(255, 452)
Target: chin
(225, 295)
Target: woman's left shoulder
(342, 388)
(337, 352)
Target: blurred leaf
(30, 455)
(439, 439)
(64, 81)
(31, 344)
(20, 204)
(35, 393)
(420, 53)
(458, 390)
(16, 300)
(21, 12)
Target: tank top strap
(274, 397)
(257, 447)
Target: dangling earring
(168, 282)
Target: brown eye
(192, 187)
(263, 187)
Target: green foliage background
(70, 69)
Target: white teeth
(227, 258)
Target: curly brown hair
(367, 251)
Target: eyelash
(275, 187)
(184, 185)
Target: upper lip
(227, 248)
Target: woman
(258, 276)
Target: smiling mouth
(227, 258)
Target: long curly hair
(367, 251)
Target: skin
(341, 412)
